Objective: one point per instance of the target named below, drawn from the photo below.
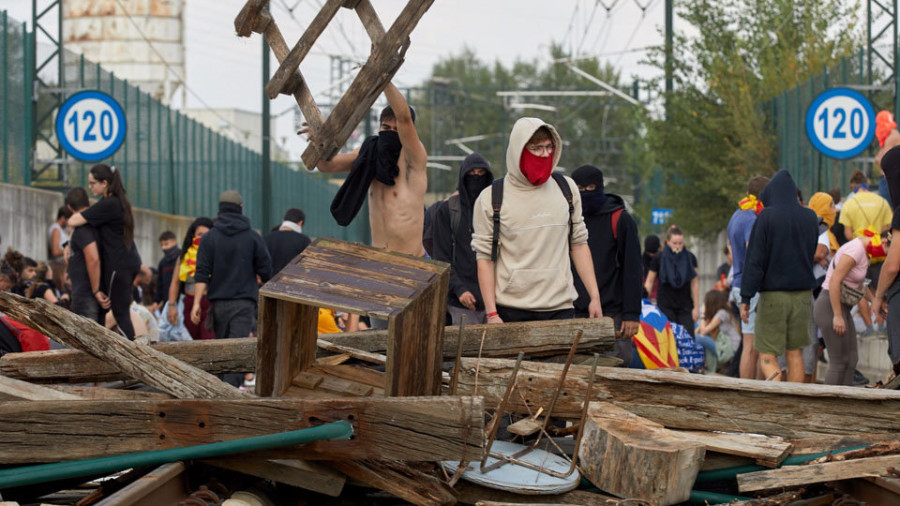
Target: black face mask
(169, 252)
(388, 153)
(592, 202)
(473, 185)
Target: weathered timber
(500, 341)
(18, 390)
(409, 292)
(825, 444)
(470, 493)
(136, 360)
(871, 489)
(767, 451)
(218, 356)
(695, 402)
(629, 456)
(108, 394)
(792, 476)
(214, 356)
(413, 428)
(297, 473)
(400, 480)
(374, 358)
(163, 485)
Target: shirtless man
(396, 212)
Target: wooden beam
(632, 457)
(289, 348)
(792, 476)
(370, 20)
(695, 402)
(108, 394)
(164, 485)
(414, 429)
(470, 493)
(296, 473)
(138, 361)
(766, 451)
(374, 358)
(17, 390)
(400, 480)
(829, 443)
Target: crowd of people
(534, 244)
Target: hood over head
(592, 202)
(232, 223)
(469, 188)
(781, 191)
(821, 204)
(522, 130)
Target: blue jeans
(708, 343)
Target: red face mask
(535, 168)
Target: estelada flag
(654, 340)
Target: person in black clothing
(229, 259)
(84, 262)
(679, 290)
(779, 266)
(452, 234)
(288, 241)
(168, 243)
(119, 258)
(616, 252)
(651, 249)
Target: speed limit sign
(840, 123)
(90, 126)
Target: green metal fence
(812, 170)
(170, 162)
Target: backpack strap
(496, 202)
(453, 204)
(615, 222)
(567, 193)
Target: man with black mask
(390, 168)
(452, 231)
(616, 252)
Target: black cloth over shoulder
(377, 159)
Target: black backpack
(497, 201)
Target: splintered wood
(387, 55)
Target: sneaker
(859, 379)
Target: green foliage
(744, 53)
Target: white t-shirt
(63, 236)
(818, 270)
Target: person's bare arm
(341, 162)
(92, 263)
(584, 265)
(695, 295)
(55, 247)
(486, 283)
(889, 271)
(848, 233)
(821, 254)
(841, 269)
(648, 283)
(416, 156)
(708, 326)
(77, 220)
(199, 292)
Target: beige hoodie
(532, 270)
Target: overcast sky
(225, 70)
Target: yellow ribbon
(751, 202)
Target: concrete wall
(26, 213)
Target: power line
(176, 73)
(588, 26)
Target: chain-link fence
(170, 162)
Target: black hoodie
(617, 262)
(230, 257)
(463, 268)
(782, 242)
(164, 274)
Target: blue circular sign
(840, 123)
(90, 126)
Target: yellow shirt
(866, 209)
(327, 324)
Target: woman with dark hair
(120, 261)
(183, 281)
(678, 293)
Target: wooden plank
(632, 457)
(296, 473)
(281, 80)
(414, 429)
(829, 443)
(470, 493)
(154, 485)
(136, 360)
(791, 476)
(374, 358)
(767, 451)
(400, 480)
(507, 340)
(18, 390)
(370, 20)
(358, 374)
(695, 402)
(415, 344)
(74, 366)
(287, 344)
(108, 394)
(395, 259)
(379, 69)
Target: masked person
(616, 253)
(779, 267)
(452, 235)
(832, 313)
(525, 231)
(678, 294)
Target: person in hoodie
(739, 227)
(531, 278)
(168, 243)
(452, 240)
(779, 266)
(678, 293)
(616, 254)
(229, 259)
(288, 241)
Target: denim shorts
(750, 326)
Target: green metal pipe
(701, 497)
(730, 472)
(30, 475)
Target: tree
(716, 134)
